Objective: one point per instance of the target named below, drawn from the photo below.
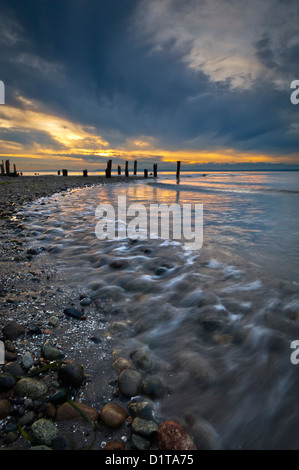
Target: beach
(198, 339)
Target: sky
(206, 82)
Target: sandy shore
(35, 289)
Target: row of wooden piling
(109, 170)
(5, 169)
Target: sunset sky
(201, 81)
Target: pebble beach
(65, 384)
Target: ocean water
(217, 321)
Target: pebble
(121, 364)
(153, 387)
(27, 419)
(67, 412)
(197, 367)
(172, 436)
(130, 382)
(140, 443)
(14, 368)
(7, 381)
(53, 321)
(115, 445)
(141, 359)
(13, 330)
(144, 427)
(85, 302)
(31, 388)
(142, 409)
(113, 415)
(5, 408)
(74, 312)
(44, 431)
(71, 374)
(50, 352)
(27, 360)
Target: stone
(130, 382)
(10, 437)
(172, 436)
(74, 312)
(27, 419)
(9, 346)
(118, 326)
(119, 263)
(153, 387)
(7, 381)
(71, 374)
(197, 367)
(5, 408)
(41, 447)
(204, 435)
(144, 427)
(160, 270)
(115, 445)
(85, 302)
(49, 411)
(27, 360)
(44, 431)
(53, 321)
(140, 443)
(113, 415)
(142, 409)
(14, 368)
(141, 359)
(13, 330)
(31, 388)
(50, 352)
(121, 364)
(68, 412)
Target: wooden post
(85, 173)
(108, 169)
(58, 172)
(127, 169)
(7, 167)
(119, 169)
(145, 173)
(135, 167)
(64, 172)
(14, 169)
(155, 170)
(178, 169)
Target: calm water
(217, 321)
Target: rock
(50, 352)
(9, 346)
(142, 409)
(67, 412)
(59, 396)
(119, 263)
(27, 419)
(140, 443)
(10, 437)
(197, 367)
(74, 312)
(13, 330)
(7, 381)
(113, 415)
(172, 436)
(141, 359)
(44, 431)
(5, 408)
(62, 443)
(27, 360)
(71, 374)
(153, 387)
(53, 321)
(118, 326)
(85, 302)
(31, 388)
(130, 382)
(41, 447)
(205, 436)
(160, 270)
(115, 445)
(14, 368)
(121, 364)
(144, 427)
(49, 411)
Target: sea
(221, 320)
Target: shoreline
(35, 295)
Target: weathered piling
(64, 172)
(145, 173)
(119, 170)
(178, 170)
(127, 169)
(58, 172)
(155, 169)
(7, 167)
(135, 167)
(85, 173)
(108, 169)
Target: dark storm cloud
(88, 61)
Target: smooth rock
(115, 445)
(153, 387)
(9, 346)
(27, 419)
(205, 436)
(31, 388)
(197, 367)
(130, 382)
(144, 427)
(141, 359)
(14, 368)
(53, 321)
(73, 312)
(7, 381)
(50, 352)
(113, 415)
(172, 436)
(27, 360)
(5, 408)
(121, 364)
(142, 409)
(140, 443)
(13, 330)
(67, 412)
(85, 302)
(44, 431)
(71, 374)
